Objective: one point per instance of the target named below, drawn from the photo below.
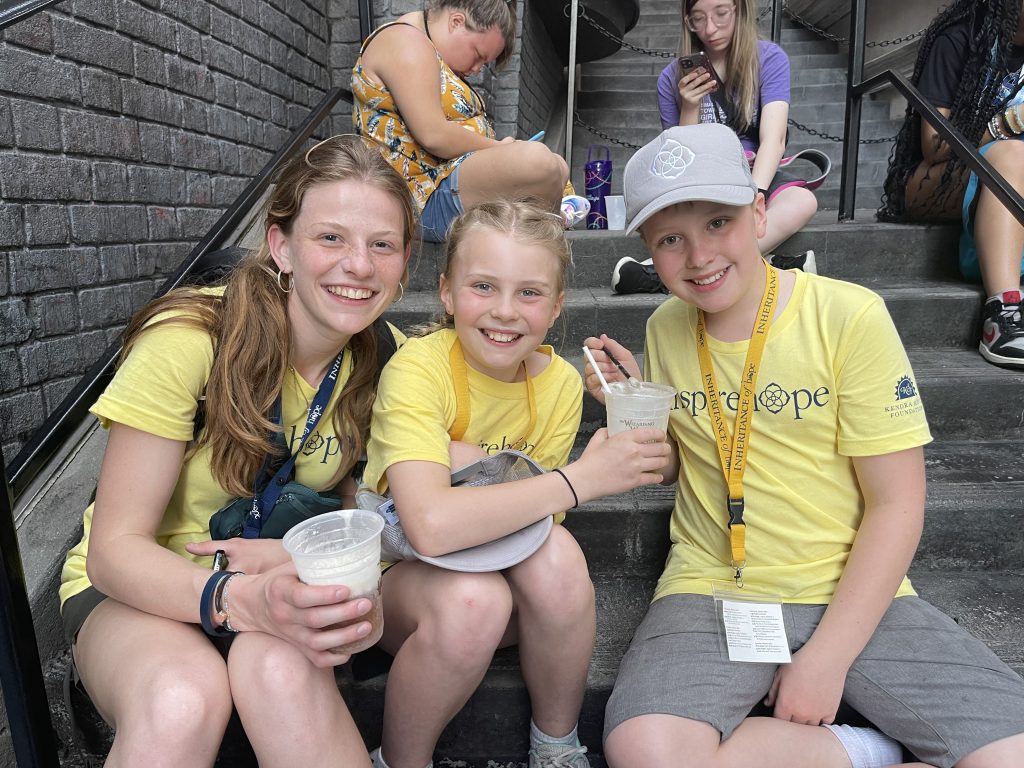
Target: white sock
(866, 747)
(537, 736)
(378, 761)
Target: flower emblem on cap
(672, 160)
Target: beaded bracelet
(995, 129)
(220, 603)
(213, 585)
(1012, 119)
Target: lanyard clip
(735, 511)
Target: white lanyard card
(750, 625)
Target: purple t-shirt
(774, 86)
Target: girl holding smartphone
(748, 90)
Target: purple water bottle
(597, 182)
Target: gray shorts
(921, 678)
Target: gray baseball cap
(689, 162)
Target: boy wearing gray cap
(797, 437)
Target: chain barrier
(671, 55)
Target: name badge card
(751, 626)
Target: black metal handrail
(60, 424)
(856, 87)
(19, 10)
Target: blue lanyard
(263, 502)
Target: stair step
(848, 250)
(965, 524)
(943, 376)
(647, 82)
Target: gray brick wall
(126, 127)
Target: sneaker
(1002, 331)
(803, 261)
(558, 756)
(632, 276)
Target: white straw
(593, 363)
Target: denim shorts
(921, 678)
(442, 206)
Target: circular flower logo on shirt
(773, 398)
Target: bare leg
(762, 741)
(443, 628)
(924, 184)
(511, 171)
(788, 212)
(998, 235)
(308, 723)
(555, 625)
(1005, 753)
(160, 684)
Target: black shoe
(1002, 331)
(803, 261)
(632, 276)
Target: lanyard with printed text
(733, 452)
(460, 377)
(263, 502)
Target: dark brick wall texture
(128, 126)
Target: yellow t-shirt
(834, 383)
(156, 390)
(375, 114)
(416, 406)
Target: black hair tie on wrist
(575, 498)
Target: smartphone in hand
(694, 61)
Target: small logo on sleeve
(905, 388)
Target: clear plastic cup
(615, 205)
(633, 407)
(342, 547)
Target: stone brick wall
(126, 127)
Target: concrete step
(813, 96)
(943, 376)
(647, 82)
(654, 65)
(848, 250)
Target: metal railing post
(851, 129)
(570, 106)
(365, 10)
(776, 21)
(21, 675)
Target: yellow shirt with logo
(416, 406)
(156, 390)
(834, 383)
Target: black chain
(668, 55)
(577, 120)
(567, 10)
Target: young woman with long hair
(411, 97)
(294, 319)
(753, 99)
(971, 68)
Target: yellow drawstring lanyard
(733, 452)
(460, 377)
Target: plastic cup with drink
(342, 548)
(633, 404)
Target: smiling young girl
(503, 289)
(753, 100)
(298, 310)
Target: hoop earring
(280, 282)
(401, 294)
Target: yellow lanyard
(733, 452)
(460, 377)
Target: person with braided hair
(971, 68)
